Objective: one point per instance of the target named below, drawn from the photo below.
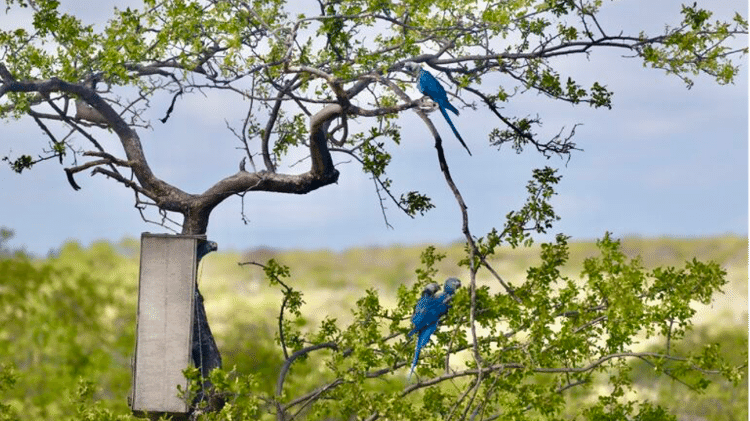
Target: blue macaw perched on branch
(428, 85)
(430, 308)
(420, 309)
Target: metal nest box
(164, 322)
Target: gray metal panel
(165, 322)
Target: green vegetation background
(67, 321)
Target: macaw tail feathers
(450, 123)
(424, 338)
(450, 106)
(413, 364)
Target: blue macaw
(427, 316)
(428, 85)
(205, 247)
(420, 309)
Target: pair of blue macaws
(428, 85)
(427, 313)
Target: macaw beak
(411, 67)
(431, 289)
(453, 283)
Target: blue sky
(665, 161)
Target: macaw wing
(421, 304)
(420, 308)
(424, 335)
(434, 309)
(426, 315)
(430, 86)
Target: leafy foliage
(7, 381)
(551, 335)
(697, 37)
(370, 357)
(563, 335)
(62, 323)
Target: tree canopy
(300, 70)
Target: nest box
(164, 322)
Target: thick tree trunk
(197, 209)
(205, 353)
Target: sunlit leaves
(614, 280)
(518, 135)
(675, 288)
(568, 33)
(8, 379)
(250, 47)
(289, 333)
(562, 323)
(275, 271)
(230, 396)
(550, 82)
(290, 133)
(694, 17)
(375, 158)
(436, 402)
(430, 256)
(47, 16)
(328, 331)
(600, 96)
(77, 43)
(697, 46)
(560, 7)
(414, 202)
(21, 163)
(63, 319)
(537, 214)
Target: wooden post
(164, 323)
